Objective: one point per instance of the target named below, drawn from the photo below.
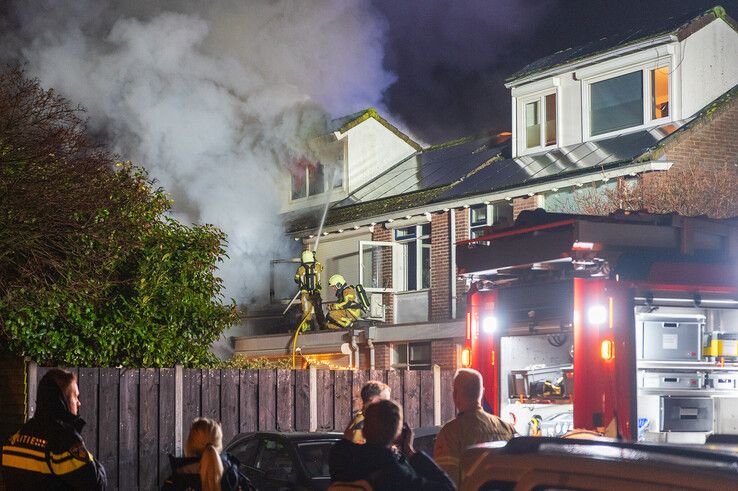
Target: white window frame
(648, 121)
(343, 186)
(540, 97)
(396, 265)
(407, 365)
(402, 270)
(490, 218)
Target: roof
(482, 166)
(342, 125)
(680, 24)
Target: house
(611, 111)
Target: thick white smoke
(213, 98)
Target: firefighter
(347, 309)
(307, 278)
(48, 451)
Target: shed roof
(680, 24)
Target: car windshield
(314, 456)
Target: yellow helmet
(336, 280)
(308, 256)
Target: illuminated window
(660, 93)
(540, 122)
(309, 179)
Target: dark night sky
(452, 57)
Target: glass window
(481, 217)
(616, 103)
(411, 356)
(416, 243)
(275, 459)
(532, 125)
(660, 92)
(246, 452)
(551, 119)
(309, 179)
(315, 457)
(478, 215)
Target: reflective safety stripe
(65, 466)
(26, 463)
(24, 450)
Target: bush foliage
(92, 271)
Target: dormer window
(630, 100)
(308, 179)
(540, 122)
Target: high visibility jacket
(308, 276)
(48, 452)
(347, 301)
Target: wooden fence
(136, 417)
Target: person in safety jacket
(48, 451)
(378, 463)
(347, 309)
(307, 278)
(371, 392)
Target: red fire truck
(627, 322)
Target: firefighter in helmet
(347, 308)
(307, 278)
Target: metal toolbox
(671, 380)
(686, 414)
(671, 339)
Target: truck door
(604, 356)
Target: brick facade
(462, 233)
(528, 203)
(712, 141)
(440, 308)
(445, 353)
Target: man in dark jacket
(381, 465)
(48, 451)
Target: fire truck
(626, 323)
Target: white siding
(709, 66)
(372, 149)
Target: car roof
(300, 436)
(698, 458)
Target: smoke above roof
(213, 98)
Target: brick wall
(382, 356)
(712, 141)
(381, 234)
(444, 353)
(440, 267)
(529, 203)
(462, 233)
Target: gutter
(583, 62)
(508, 194)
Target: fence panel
(211, 394)
(325, 400)
(128, 456)
(166, 422)
(88, 395)
(410, 402)
(229, 403)
(248, 403)
(191, 397)
(108, 426)
(267, 400)
(148, 437)
(285, 400)
(425, 393)
(447, 402)
(302, 400)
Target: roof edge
(372, 113)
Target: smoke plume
(213, 98)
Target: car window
(245, 451)
(314, 457)
(275, 460)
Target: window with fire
(313, 178)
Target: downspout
(370, 345)
(355, 349)
(452, 238)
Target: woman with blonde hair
(205, 467)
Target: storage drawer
(687, 414)
(722, 380)
(671, 339)
(661, 380)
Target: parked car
(276, 461)
(425, 438)
(529, 463)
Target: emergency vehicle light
(597, 314)
(489, 324)
(466, 358)
(607, 349)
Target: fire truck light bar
(717, 301)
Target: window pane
(551, 119)
(420, 353)
(317, 179)
(412, 265)
(617, 103)
(299, 184)
(426, 264)
(660, 92)
(478, 215)
(425, 229)
(532, 125)
(399, 354)
(405, 233)
(315, 457)
(502, 214)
